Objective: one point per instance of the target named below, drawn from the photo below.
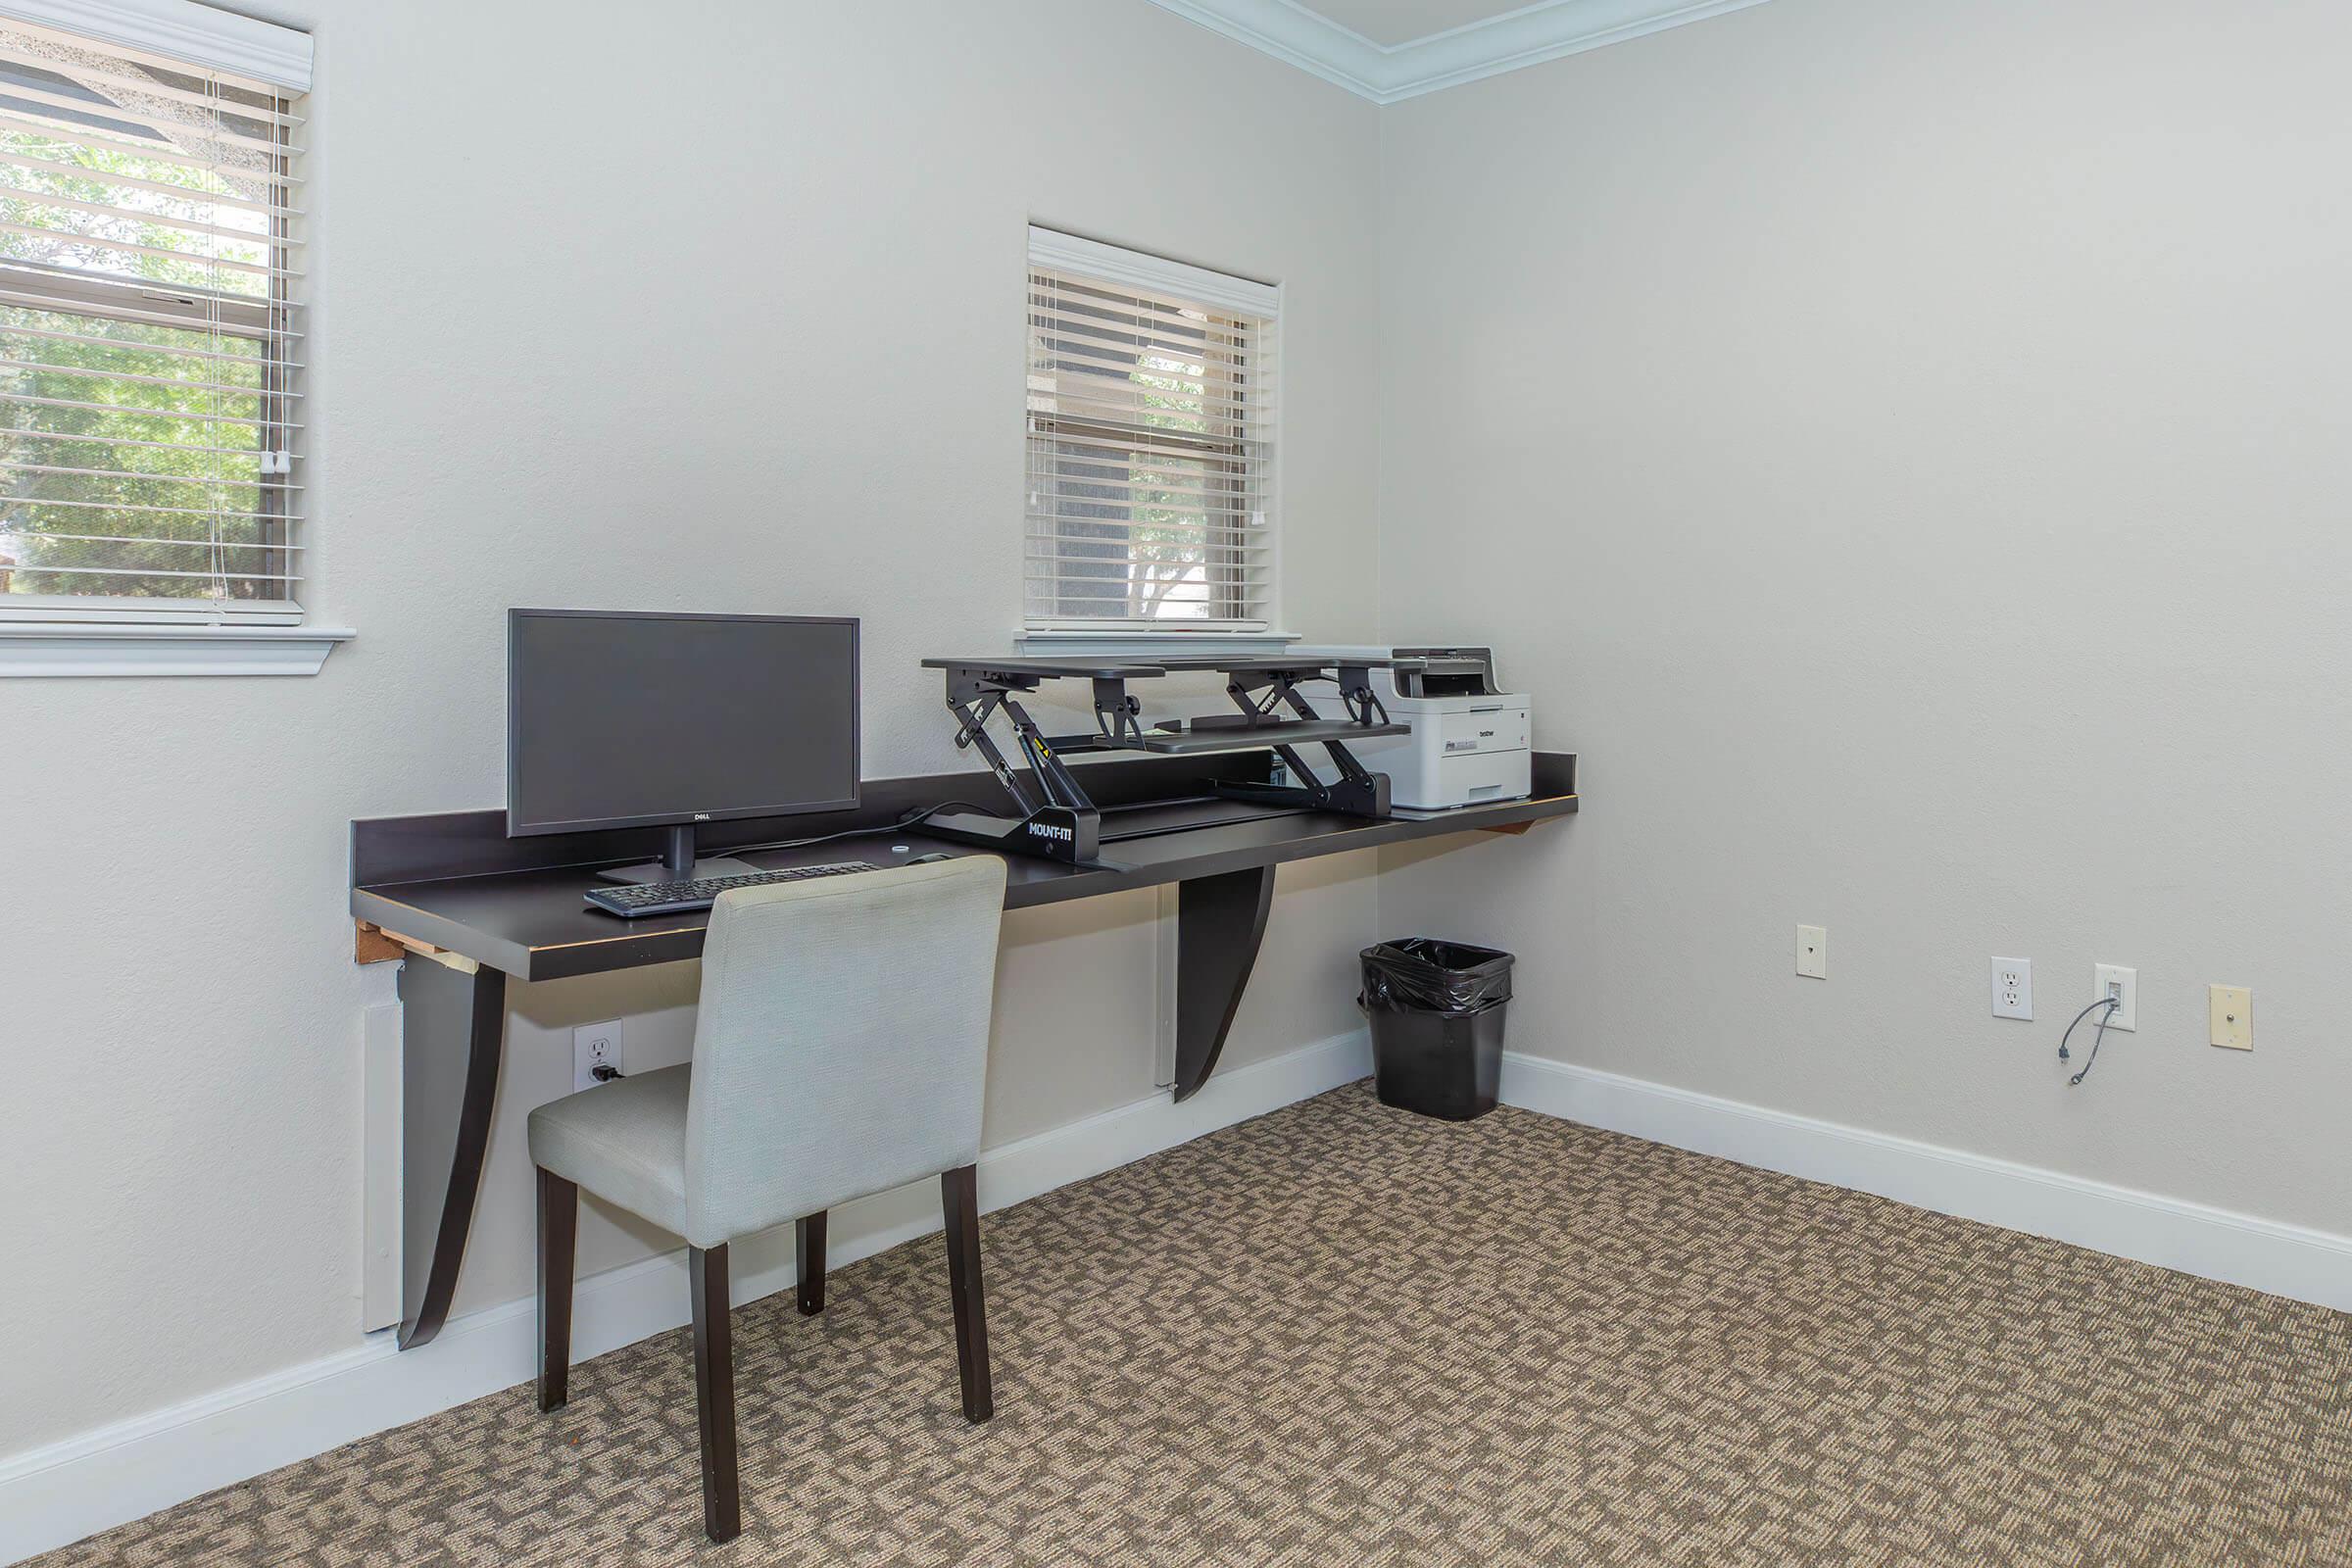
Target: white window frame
(1119, 266)
(67, 634)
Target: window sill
(97, 649)
(1120, 642)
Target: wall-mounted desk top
(456, 882)
(467, 906)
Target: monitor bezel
(518, 828)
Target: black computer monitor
(648, 720)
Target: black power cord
(2110, 1003)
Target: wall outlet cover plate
(1813, 951)
(594, 1046)
(2013, 988)
(2233, 1010)
(2114, 980)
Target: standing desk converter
(464, 908)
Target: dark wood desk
(465, 908)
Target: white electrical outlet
(1813, 951)
(594, 1046)
(2013, 988)
(2114, 980)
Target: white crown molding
(1388, 74)
(203, 35)
(1295, 37)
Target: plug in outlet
(594, 1046)
(2114, 980)
(1813, 951)
(2013, 988)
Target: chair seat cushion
(625, 1140)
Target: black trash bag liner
(1421, 974)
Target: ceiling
(1387, 50)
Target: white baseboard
(2214, 1243)
(65, 1490)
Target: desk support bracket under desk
(453, 1035)
(1220, 923)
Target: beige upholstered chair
(839, 1051)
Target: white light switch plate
(1813, 951)
(2013, 988)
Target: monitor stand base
(656, 871)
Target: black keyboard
(675, 897)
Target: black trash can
(1437, 1012)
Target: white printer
(1469, 743)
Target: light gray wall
(613, 311)
(1901, 445)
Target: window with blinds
(148, 294)
(1151, 442)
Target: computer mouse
(926, 860)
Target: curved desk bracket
(452, 1034)
(1220, 923)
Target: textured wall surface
(611, 312)
(1901, 446)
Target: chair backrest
(842, 1041)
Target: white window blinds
(1151, 402)
(149, 289)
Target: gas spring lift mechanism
(1060, 823)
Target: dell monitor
(622, 720)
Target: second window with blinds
(1151, 404)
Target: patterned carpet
(1342, 1335)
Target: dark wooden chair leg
(959, 1200)
(559, 1237)
(714, 1390)
(809, 1256)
